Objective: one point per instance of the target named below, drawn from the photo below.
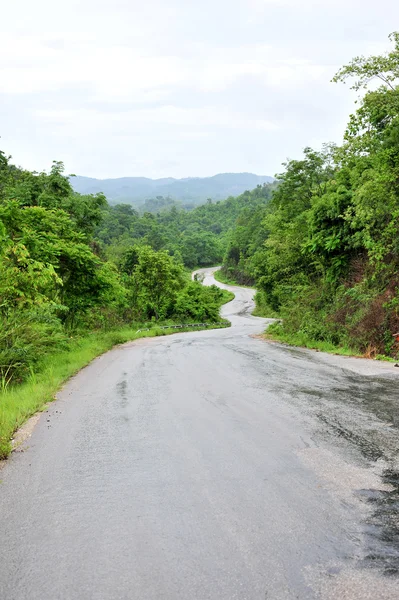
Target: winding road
(208, 466)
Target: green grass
(264, 311)
(276, 332)
(19, 402)
(259, 311)
(385, 358)
(227, 296)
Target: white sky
(178, 87)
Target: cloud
(129, 87)
(117, 71)
(194, 120)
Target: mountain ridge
(196, 190)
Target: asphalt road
(208, 466)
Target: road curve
(208, 466)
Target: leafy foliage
(198, 237)
(71, 263)
(198, 303)
(324, 252)
(155, 281)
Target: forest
(195, 238)
(325, 255)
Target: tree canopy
(327, 257)
(71, 263)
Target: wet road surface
(208, 466)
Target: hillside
(194, 190)
(325, 256)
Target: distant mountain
(193, 190)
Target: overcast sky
(178, 87)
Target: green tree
(155, 282)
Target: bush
(24, 339)
(197, 303)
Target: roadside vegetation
(66, 295)
(197, 238)
(324, 252)
(223, 278)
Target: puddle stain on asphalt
(382, 527)
(375, 436)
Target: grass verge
(19, 402)
(227, 296)
(263, 310)
(276, 332)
